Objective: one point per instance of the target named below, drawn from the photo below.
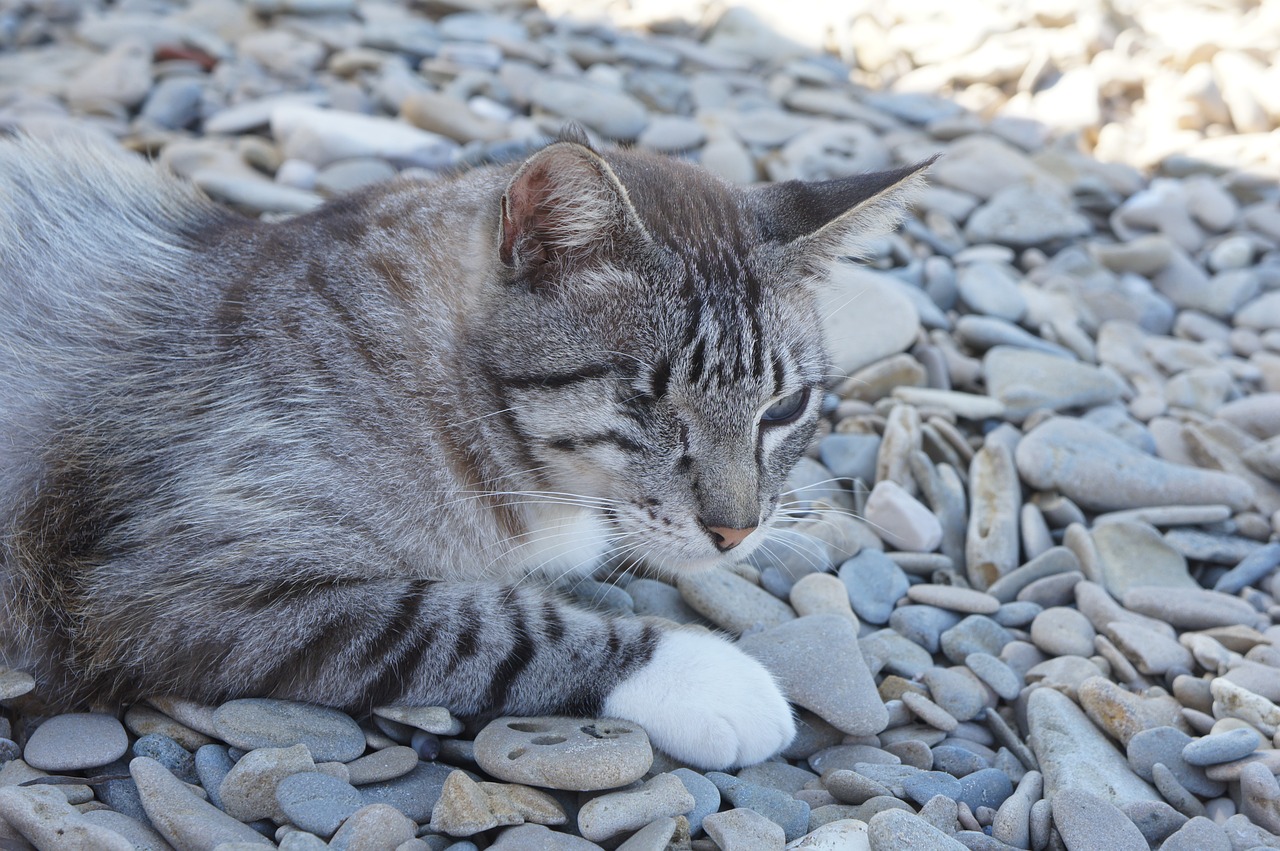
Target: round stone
(564, 753)
(330, 735)
(76, 741)
(317, 803)
(1063, 632)
(1222, 747)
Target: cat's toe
(705, 702)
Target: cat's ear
(821, 222)
(565, 205)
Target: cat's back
(93, 243)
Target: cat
(320, 459)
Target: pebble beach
(1028, 595)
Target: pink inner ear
(522, 216)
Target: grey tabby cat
(317, 459)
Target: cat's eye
(785, 410)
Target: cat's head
(652, 338)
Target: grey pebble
(974, 634)
(986, 787)
(954, 598)
(743, 829)
(887, 650)
(76, 741)
(1222, 747)
(651, 597)
(182, 818)
(43, 815)
(731, 602)
(1199, 545)
(330, 735)
(1060, 631)
(168, 753)
(1003, 680)
(1185, 608)
(957, 690)
(138, 833)
(874, 583)
(373, 826)
(1086, 820)
(819, 665)
(706, 797)
(924, 785)
(1172, 790)
(850, 787)
(384, 764)
(661, 796)
(957, 761)
(1051, 591)
(851, 456)
(923, 625)
(1156, 820)
(893, 830)
(317, 803)
(1165, 745)
(1052, 562)
(120, 795)
(414, 794)
(212, 764)
(775, 805)
(1251, 568)
(1198, 834)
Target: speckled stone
(433, 719)
(329, 735)
(182, 818)
(774, 804)
(564, 753)
(76, 741)
(248, 791)
(1122, 714)
(873, 584)
(1086, 820)
(819, 665)
(317, 803)
(731, 602)
(706, 797)
(384, 764)
(1165, 745)
(893, 830)
(662, 796)
(373, 826)
(742, 829)
(1222, 747)
(42, 815)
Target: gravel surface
(1029, 598)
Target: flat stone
(613, 114)
(954, 598)
(433, 719)
(1231, 699)
(248, 791)
(374, 826)
(1026, 381)
(742, 829)
(1052, 562)
(1135, 554)
(974, 634)
(892, 830)
(731, 602)
(317, 803)
(142, 719)
(463, 808)
(323, 136)
(414, 794)
(1150, 651)
(605, 816)
(873, 585)
(1060, 631)
(706, 797)
(43, 816)
(777, 806)
(854, 294)
(330, 735)
(76, 741)
(1222, 747)
(901, 519)
(1074, 754)
(1190, 608)
(535, 837)
(1123, 714)
(141, 836)
(1088, 820)
(819, 665)
(15, 683)
(821, 594)
(182, 818)
(564, 753)
(384, 764)
(1251, 569)
(1198, 834)
(1164, 745)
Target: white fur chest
(562, 541)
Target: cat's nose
(726, 538)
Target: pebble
(373, 826)
(895, 829)
(901, 519)
(564, 753)
(1222, 747)
(1087, 820)
(954, 598)
(873, 584)
(613, 114)
(662, 796)
(413, 794)
(706, 797)
(182, 818)
(1101, 472)
(315, 802)
(1073, 754)
(1189, 608)
(330, 736)
(819, 665)
(1164, 745)
(742, 829)
(44, 817)
(248, 792)
(76, 741)
(732, 602)
(1027, 381)
(1060, 631)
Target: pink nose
(727, 538)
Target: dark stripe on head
(779, 375)
(555, 380)
(661, 377)
(696, 361)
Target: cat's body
(317, 459)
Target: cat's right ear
(565, 206)
(822, 222)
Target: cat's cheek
(705, 702)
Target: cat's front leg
(705, 702)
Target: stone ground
(1030, 599)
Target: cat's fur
(314, 459)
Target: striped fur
(320, 459)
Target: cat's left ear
(822, 222)
(563, 207)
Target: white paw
(705, 702)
